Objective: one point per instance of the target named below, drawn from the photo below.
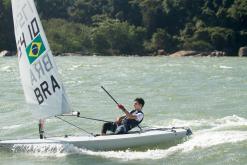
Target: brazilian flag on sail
(35, 49)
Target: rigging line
(95, 119)
(89, 118)
(106, 121)
(75, 126)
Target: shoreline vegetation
(137, 27)
(181, 53)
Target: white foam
(189, 123)
(228, 121)
(11, 127)
(208, 139)
(73, 67)
(225, 67)
(6, 69)
(198, 141)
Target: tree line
(141, 27)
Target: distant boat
(44, 90)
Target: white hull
(110, 142)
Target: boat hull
(151, 137)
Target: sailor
(125, 123)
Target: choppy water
(207, 94)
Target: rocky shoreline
(182, 53)
(6, 53)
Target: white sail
(42, 87)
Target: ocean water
(206, 94)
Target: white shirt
(139, 116)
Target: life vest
(131, 123)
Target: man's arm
(119, 119)
(129, 115)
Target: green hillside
(136, 26)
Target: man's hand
(118, 120)
(120, 106)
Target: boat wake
(221, 131)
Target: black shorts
(111, 126)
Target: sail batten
(42, 86)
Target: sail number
(44, 85)
(33, 28)
(33, 31)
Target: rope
(95, 119)
(75, 126)
(89, 118)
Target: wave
(74, 67)
(11, 127)
(225, 67)
(7, 69)
(225, 122)
(201, 139)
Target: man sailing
(125, 123)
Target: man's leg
(121, 130)
(111, 126)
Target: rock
(84, 53)
(217, 53)
(69, 54)
(161, 52)
(183, 53)
(6, 53)
(242, 51)
(201, 54)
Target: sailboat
(45, 93)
